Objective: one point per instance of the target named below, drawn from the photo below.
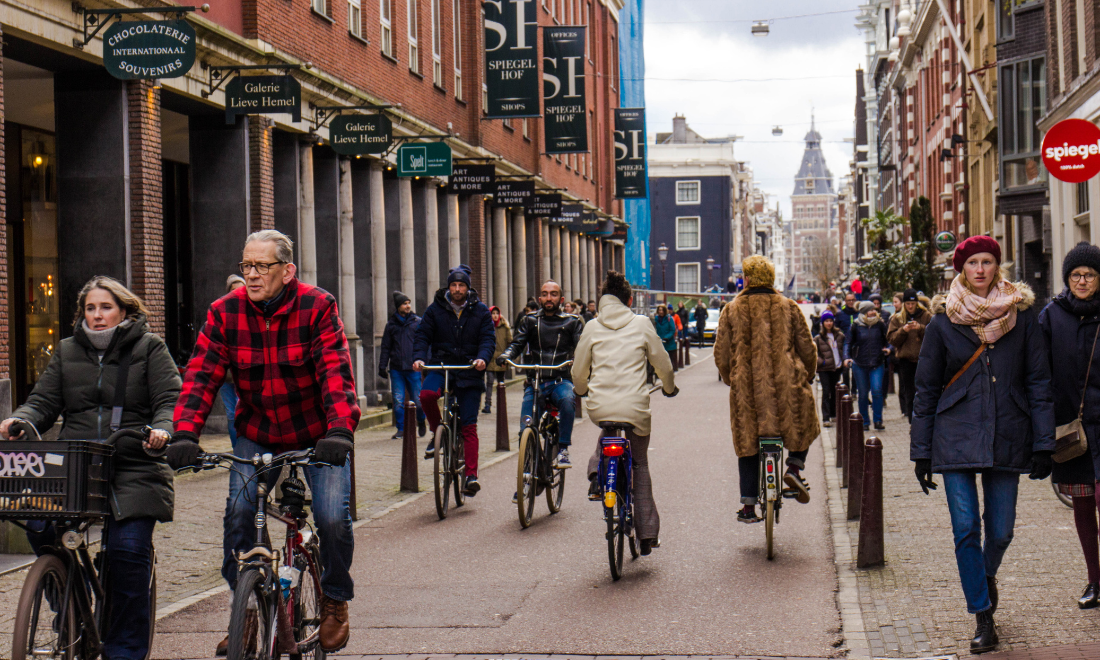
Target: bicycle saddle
(626, 426)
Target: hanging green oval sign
(352, 135)
(945, 241)
(135, 50)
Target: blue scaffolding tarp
(632, 95)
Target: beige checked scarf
(990, 317)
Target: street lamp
(710, 272)
(662, 254)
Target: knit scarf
(868, 322)
(991, 317)
(99, 339)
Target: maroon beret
(975, 245)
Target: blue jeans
(331, 491)
(975, 561)
(129, 548)
(869, 385)
(229, 399)
(561, 397)
(406, 387)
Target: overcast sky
(711, 39)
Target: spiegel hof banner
(511, 58)
(630, 154)
(563, 88)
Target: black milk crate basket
(55, 480)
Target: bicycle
(450, 451)
(616, 477)
(769, 493)
(538, 447)
(277, 603)
(65, 484)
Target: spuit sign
(1071, 150)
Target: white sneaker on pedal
(562, 461)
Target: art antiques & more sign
(355, 135)
(1071, 151)
(263, 95)
(630, 160)
(569, 217)
(545, 206)
(472, 180)
(424, 159)
(134, 50)
(514, 193)
(564, 105)
(511, 64)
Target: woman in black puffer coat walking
(1070, 324)
(865, 351)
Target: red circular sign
(1071, 150)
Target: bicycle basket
(54, 480)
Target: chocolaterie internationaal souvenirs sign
(135, 50)
(263, 95)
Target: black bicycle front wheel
(152, 604)
(458, 465)
(442, 471)
(616, 536)
(526, 476)
(45, 621)
(555, 490)
(251, 620)
(307, 603)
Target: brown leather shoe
(334, 624)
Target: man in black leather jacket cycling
(551, 335)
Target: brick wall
(261, 173)
(5, 362)
(475, 220)
(1069, 34)
(1054, 85)
(146, 211)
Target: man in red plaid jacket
(284, 343)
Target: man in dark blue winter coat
(396, 362)
(457, 329)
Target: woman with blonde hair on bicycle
(109, 332)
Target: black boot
(1091, 597)
(994, 597)
(985, 635)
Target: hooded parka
(999, 411)
(79, 387)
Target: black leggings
(749, 469)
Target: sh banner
(563, 88)
(511, 58)
(630, 161)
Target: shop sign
(1071, 150)
(570, 217)
(472, 180)
(631, 180)
(263, 95)
(514, 193)
(355, 135)
(620, 232)
(565, 111)
(587, 223)
(424, 159)
(545, 206)
(604, 227)
(511, 58)
(135, 50)
(945, 241)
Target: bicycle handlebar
(140, 435)
(302, 457)
(533, 367)
(446, 367)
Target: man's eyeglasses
(262, 269)
(1087, 277)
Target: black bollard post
(854, 465)
(687, 352)
(502, 419)
(843, 411)
(872, 550)
(410, 480)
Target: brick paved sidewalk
(914, 606)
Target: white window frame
(698, 191)
(411, 10)
(355, 18)
(319, 6)
(385, 14)
(437, 42)
(457, 6)
(680, 247)
(525, 134)
(698, 276)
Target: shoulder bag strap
(1081, 410)
(120, 387)
(971, 361)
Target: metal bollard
(871, 545)
(840, 391)
(410, 480)
(687, 352)
(843, 411)
(854, 465)
(502, 419)
(578, 407)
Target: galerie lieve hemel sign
(263, 95)
(134, 50)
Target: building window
(687, 278)
(687, 192)
(687, 233)
(320, 6)
(414, 44)
(355, 18)
(1023, 101)
(458, 48)
(1006, 22)
(525, 128)
(1082, 197)
(484, 99)
(614, 62)
(437, 43)
(385, 12)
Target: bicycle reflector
(609, 499)
(614, 449)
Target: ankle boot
(1091, 597)
(994, 597)
(985, 635)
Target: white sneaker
(562, 461)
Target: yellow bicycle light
(609, 499)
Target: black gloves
(675, 391)
(923, 470)
(24, 427)
(1042, 463)
(334, 448)
(500, 361)
(183, 451)
(383, 373)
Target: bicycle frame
(615, 455)
(771, 462)
(539, 417)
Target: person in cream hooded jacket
(609, 366)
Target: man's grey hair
(284, 247)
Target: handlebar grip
(22, 425)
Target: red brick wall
(5, 362)
(146, 211)
(261, 173)
(475, 221)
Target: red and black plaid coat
(292, 369)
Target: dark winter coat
(825, 360)
(865, 344)
(666, 330)
(997, 413)
(700, 315)
(81, 389)
(397, 342)
(844, 319)
(1069, 328)
(684, 315)
(547, 339)
(456, 339)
